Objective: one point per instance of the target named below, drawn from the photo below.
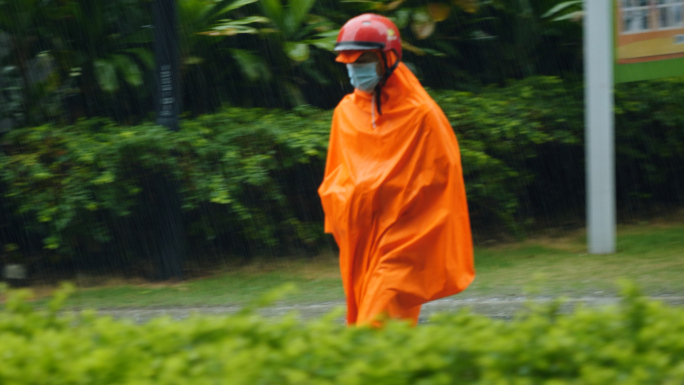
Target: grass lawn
(652, 255)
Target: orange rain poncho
(394, 200)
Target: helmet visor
(348, 56)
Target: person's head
(370, 45)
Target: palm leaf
(233, 5)
(105, 73)
(273, 9)
(577, 15)
(297, 51)
(252, 66)
(144, 55)
(560, 7)
(324, 40)
(234, 27)
(130, 70)
(299, 9)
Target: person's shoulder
(344, 104)
(348, 98)
(432, 116)
(426, 106)
(429, 106)
(343, 107)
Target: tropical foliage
(67, 59)
(79, 75)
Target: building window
(635, 16)
(669, 13)
(651, 15)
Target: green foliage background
(249, 177)
(80, 159)
(97, 57)
(88, 184)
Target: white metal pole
(599, 130)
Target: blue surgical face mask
(363, 76)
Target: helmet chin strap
(388, 72)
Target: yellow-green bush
(637, 342)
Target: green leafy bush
(503, 134)
(249, 177)
(523, 147)
(637, 342)
(649, 142)
(73, 183)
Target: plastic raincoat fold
(395, 202)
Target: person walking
(393, 191)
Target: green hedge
(503, 133)
(249, 177)
(523, 148)
(93, 182)
(637, 342)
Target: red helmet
(369, 31)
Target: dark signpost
(169, 244)
(168, 59)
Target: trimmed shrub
(637, 342)
(91, 183)
(506, 136)
(249, 177)
(523, 148)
